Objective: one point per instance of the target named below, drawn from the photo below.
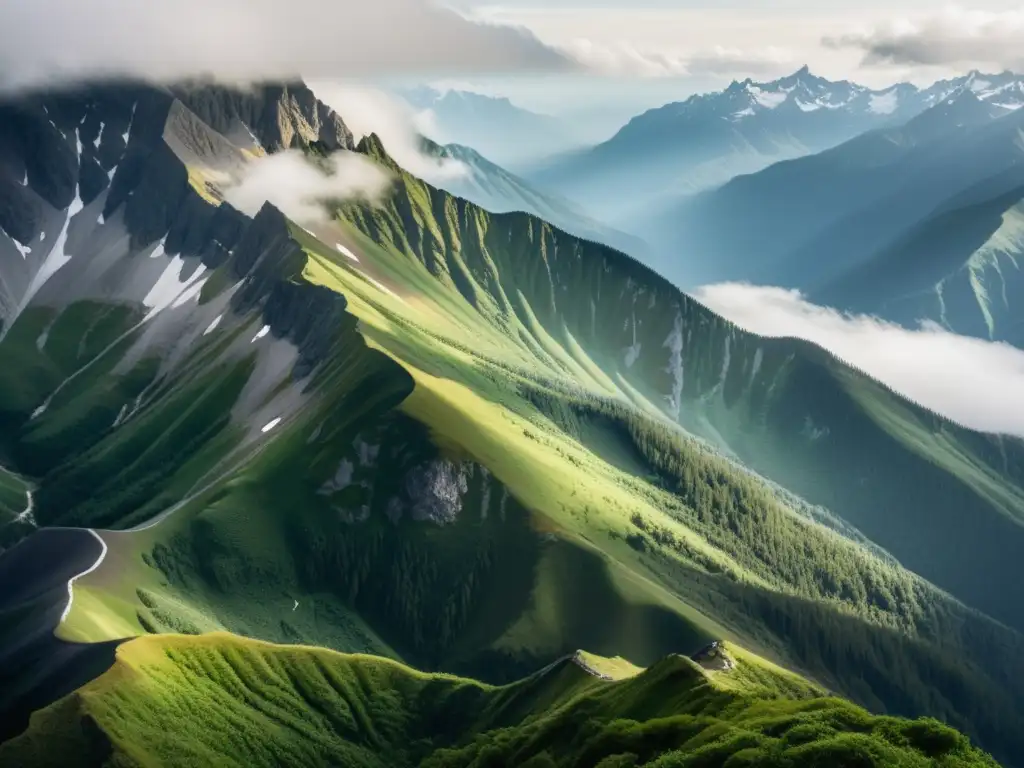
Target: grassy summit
(222, 700)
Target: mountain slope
(494, 126)
(849, 202)
(685, 147)
(454, 438)
(959, 268)
(267, 705)
(497, 190)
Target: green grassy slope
(959, 268)
(458, 445)
(549, 514)
(591, 319)
(236, 702)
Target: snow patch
(192, 291)
(758, 360)
(270, 425)
(260, 334)
(884, 103)
(768, 99)
(131, 121)
(170, 290)
(120, 416)
(633, 351)
(43, 338)
(632, 354)
(213, 326)
(346, 252)
(808, 107)
(55, 259)
(384, 288)
(24, 250)
(674, 344)
(26, 515)
(725, 362)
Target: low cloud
(954, 36)
(366, 111)
(974, 382)
(56, 41)
(301, 189)
(623, 59)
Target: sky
(649, 52)
(550, 55)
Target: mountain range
(685, 147)
(256, 470)
(505, 132)
(499, 191)
(912, 222)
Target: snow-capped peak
(1005, 89)
(802, 91)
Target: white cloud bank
(47, 41)
(977, 383)
(300, 189)
(366, 111)
(952, 36)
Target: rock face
(436, 490)
(120, 151)
(110, 236)
(714, 658)
(279, 116)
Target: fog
(366, 110)
(299, 188)
(43, 42)
(977, 383)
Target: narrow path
(86, 572)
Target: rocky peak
(279, 115)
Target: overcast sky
(588, 50)
(682, 46)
